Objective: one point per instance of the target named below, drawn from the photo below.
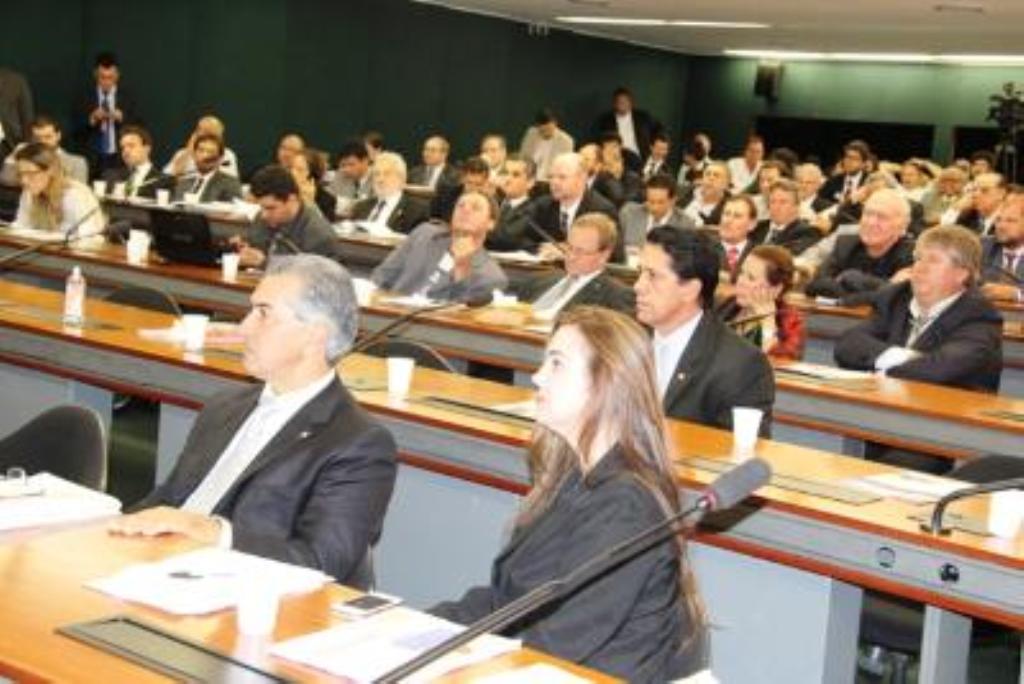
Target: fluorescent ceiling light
(632, 21)
(889, 57)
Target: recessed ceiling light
(890, 57)
(639, 21)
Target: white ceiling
(886, 26)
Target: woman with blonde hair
(50, 201)
(600, 474)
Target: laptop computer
(184, 238)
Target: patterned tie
(732, 256)
(917, 326)
(563, 222)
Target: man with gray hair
(292, 469)
(390, 205)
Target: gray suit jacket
(992, 263)
(604, 290)
(633, 222)
(315, 496)
(307, 232)
(220, 188)
(412, 266)
(448, 176)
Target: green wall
(330, 69)
(720, 96)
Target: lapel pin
(304, 434)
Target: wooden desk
(466, 468)
(41, 577)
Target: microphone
(725, 492)
(410, 316)
(934, 526)
(544, 234)
(70, 235)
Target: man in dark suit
(390, 204)
(16, 110)
(286, 224)
(435, 171)
(1002, 255)
(839, 187)
(474, 176)
(591, 240)
(657, 162)
(704, 369)
(140, 177)
(636, 127)
(936, 327)
(736, 236)
(987, 193)
(513, 231)
(879, 253)
(784, 227)
(208, 183)
(569, 198)
(105, 107)
(292, 469)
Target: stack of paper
(915, 488)
(46, 499)
(206, 580)
(363, 650)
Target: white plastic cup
(229, 266)
(137, 247)
(191, 198)
(194, 330)
(746, 423)
(257, 609)
(1006, 513)
(120, 190)
(400, 369)
(633, 256)
(99, 188)
(364, 290)
(163, 197)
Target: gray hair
(393, 160)
(327, 296)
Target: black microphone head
(119, 229)
(482, 299)
(736, 485)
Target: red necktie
(732, 255)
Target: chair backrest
(989, 468)
(145, 298)
(68, 441)
(425, 355)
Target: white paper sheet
(916, 488)
(52, 500)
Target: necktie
(917, 326)
(732, 256)
(563, 222)
(553, 296)
(377, 210)
(129, 187)
(198, 184)
(1011, 261)
(107, 141)
(652, 166)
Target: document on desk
(46, 499)
(363, 650)
(912, 487)
(33, 234)
(206, 580)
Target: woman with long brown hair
(600, 474)
(49, 200)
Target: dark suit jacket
(717, 371)
(87, 136)
(723, 260)
(604, 290)
(315, 496)
(628, 622)
(961, 348)
(409, 212)
(971, 219)
(16, 111)
(992, 263)
(449, 176)
(618, 191)
(796, 237)
(832, 189)
(644, 128)
(513, 230)
(156, 178)
(546, 212)
(220, 188)
(840, 277)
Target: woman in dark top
(600, 474)
(308, 169)
(758, 311)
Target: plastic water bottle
(74, 298)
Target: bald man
(569, 198)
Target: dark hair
(43, 120)
(475, 166)
(609, 136)
(133, 129)
(374, 139)
(753, 138)
(787, 157)
(106, 59)
(860, 147)
(315, 163)
(543, 116)
(660, 136)
(778, 265)
(745, 200)
(274, 181)
(353, 148)
(622, 90)
(774, 164)
(528, 164)
(985, 155)
(210, 137)
(692, 255)
(661, 181)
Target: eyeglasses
(574, 251)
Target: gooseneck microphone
(725, 492)
(935, 524)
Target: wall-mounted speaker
(768, 80)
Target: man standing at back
(105, 108)
(290, 469)
(636, 127)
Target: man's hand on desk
(248, 257)
(153, 522)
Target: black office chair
(67, 441)
(148, 298)
(425, 355)
(892, 626)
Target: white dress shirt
(740, 174)
(897, 356)
(668, 349)
(382, 216)
(138, 177)
(624, 124)
(549, 310)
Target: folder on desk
(51, 500)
